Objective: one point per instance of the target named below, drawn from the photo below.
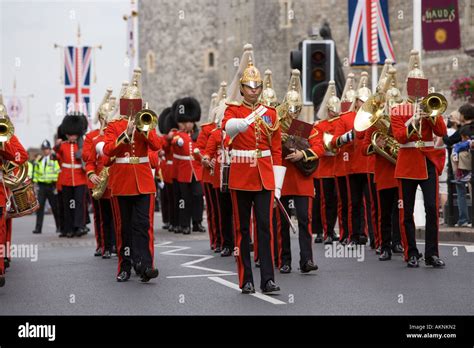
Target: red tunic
(411, 163)
(96, 163)
(14, 151)
(248, 174)
(186, 165)
(326, 162)
(129, 179)
(295, 183)
(201, 142)
(384, 175)
(72, 170)
(88, 157)
(214, 151)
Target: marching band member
(217, 158)
(73, 177)
(256, 175)
(212, 206)
(10, 150)
(298, 189)
(329, 115)
(418, 164)
(189, 171)
(132, 184)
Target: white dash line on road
(201, 275)
(257, 294)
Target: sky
(28, 31)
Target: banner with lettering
(440, 25)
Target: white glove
(347, 137)
(279, 174)
(180, 142)
(99, 148)
(235, 126)
(161, 185)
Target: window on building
(286, 13)
(150, 62)
(210, 59)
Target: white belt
(329, 154)
(169, 162)
(417, 144)
(131, 160)
(184, 158)
(69, 165)
(251, 153)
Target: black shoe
(171, 228)
(2, 281)
(328, 240)
(378, 251)
(434, 261)
(248, 288)
(166, 226)
(106, 255)
(217, 249)
(198, 228)
(148, 274)
(226, 252)
(362, 240)
(114, 250)
(318, 239)
(398, 249)
(36, 232)
(345, 241)
(69, 234)
(257, 263)
(62, 235)
(270, 287)
(123, 276)
(186, 230)
(352, 244)
(98, 252)
(6, 262)
(285, 269)
(178, 229)
(308, 267)
(412, 262)
(385, 256)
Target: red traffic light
(318, 57)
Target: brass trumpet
(146, 120)
(434, 104)
(6, 129)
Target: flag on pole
(369, 32)
(77, 78)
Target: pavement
(66, 279)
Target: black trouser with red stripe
(74, 205)
(191, 205)
(98, 225)
(388, 216)
(225, 219)
(407, 192)
(210, 212)
(358, 184)
(371, 211)
(107, 228)
(328, 194)
(242, 207)
(343, 207)
(316, 223)
(134, 220)
(217, 234)
(303, 205)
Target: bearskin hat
(187, 110)
(162, 120)
(74, 123)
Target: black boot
(148, 274)
(308, 267)
(385, 255)
(270, 286)
(198, 227)
(248, 288)
(123, 276)
(318, 239)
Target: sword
(285, 214)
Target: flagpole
(79, 71)
(417, 25)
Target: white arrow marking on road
(201, 275)
(469, 248)
(257, 294)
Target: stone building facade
(188, 46)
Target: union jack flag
(77, 78)
(369, 32)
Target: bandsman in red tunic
(132, 184)
(419, 163)
(256, 174)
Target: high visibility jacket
(45, 171)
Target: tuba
(372, 114)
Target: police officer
(45, 174)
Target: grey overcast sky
(28, 31)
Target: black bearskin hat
(170, 122)
(162, 120)
(74, 123)
(60, 134)
(187, 110)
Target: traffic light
(316, 61)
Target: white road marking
(469, 247)
(201, 275)
(257, 294)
